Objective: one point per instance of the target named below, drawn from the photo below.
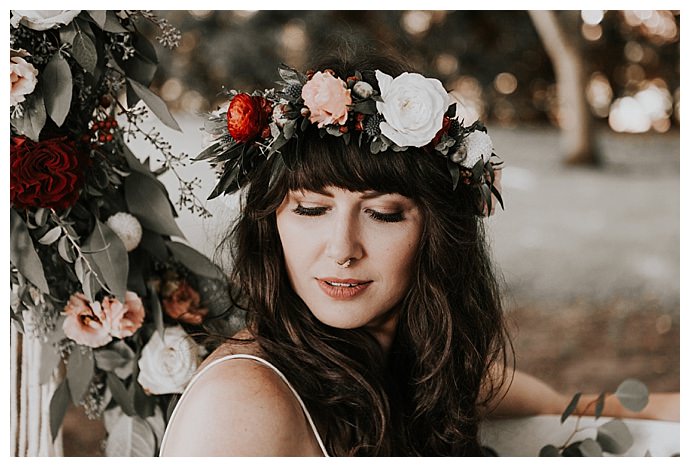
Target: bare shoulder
(239, 407)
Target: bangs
(328, 162)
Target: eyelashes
(379, 216)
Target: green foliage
(633, 394)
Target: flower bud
(363, 89)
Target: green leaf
(614, 437)
(154, 103)
(23, 254)
(56, 83)
(130, 437)
(590, 448)
(66, 250)
(58, 408)
(549, 451)
(154, 244)
(34, 118)
(599, 408)
(117, 358)
(195, 261)
(119, 391)
(633, 394)
(110, 255)
(112, 23)
(98, 17)
(572, 450)
(157, 424)
(68, 33)
(79, 372)
(143, 404)
(51, 236)
(50, 358)
(41, 216)
(156, 309)
(571, 407)
(149, 202)
(84, 52)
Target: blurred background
(583, 107)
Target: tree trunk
(561, 42)
(29, 401)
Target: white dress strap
(262, 361)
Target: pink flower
(125, 318)
(327, 98)
(22, 77)
(86, 323)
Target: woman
(374, 322)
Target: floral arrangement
(96, 275)
(376, 109)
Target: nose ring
(346, 264)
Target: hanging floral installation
(100, 273)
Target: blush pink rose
(125, 318)
(22, 77)
(86, 323)
(327, 98)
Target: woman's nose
(344, 241)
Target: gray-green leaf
(149, 202)
(58, 408)
(23, 254)
(98, 16)
(194, 261)
(131, 437)
(84, 52)
(549, 451)
(51, 236)
(590, 448)
(633, 394)
(33, 120)
(111, 258)
(155, 103)
(79, 372)
(56, 83)
(571, 407)
(614, 437)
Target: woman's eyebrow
(365, 195)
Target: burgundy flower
(249, 116)
(46, 174)
(183, 305)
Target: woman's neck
(384, 329)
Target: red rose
(46, 174)
(248, 116)
(182, 304)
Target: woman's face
(379, 233)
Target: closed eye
(379, 216)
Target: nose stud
(346, 264)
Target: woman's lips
(342, 292)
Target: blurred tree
(561, 38)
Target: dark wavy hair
(424, 396)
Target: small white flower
(127, 227)
(413, 107)
(362, 89)
(477, 146)
(41, 20)
(166, 365)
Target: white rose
(40, 20)
(413, 107)
(22, 77)
(477, 146)
(166, 366)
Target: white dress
(262, 361)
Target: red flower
(444, 129)
(46, 174)
(248, 116)
(182, 304)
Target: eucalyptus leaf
(112, 23)
(67, 33)
(155, 103)
(80, 371)
(614, 437)
(549, 451)
(118, 358)
(34, 117)
(195, 261)
(573, 450)
(56, 84)
(50, 358)
(120, 394)
(23, 254)
(599, 407)
(143, 404)
(111, 258)
(154, 244)
(98, 17)
(633, 394)
(58, 408)
(41, 216)
(66, 250)
(149, 202)
(131, 437)
(590, 448)
(157, 424)
(51, 236)
(84, 52)
(571, 407)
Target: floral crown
(375, 109)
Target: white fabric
(262, 361)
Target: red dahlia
(248, 117)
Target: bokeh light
(592, 17)
(505, 83)
(599, 94)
